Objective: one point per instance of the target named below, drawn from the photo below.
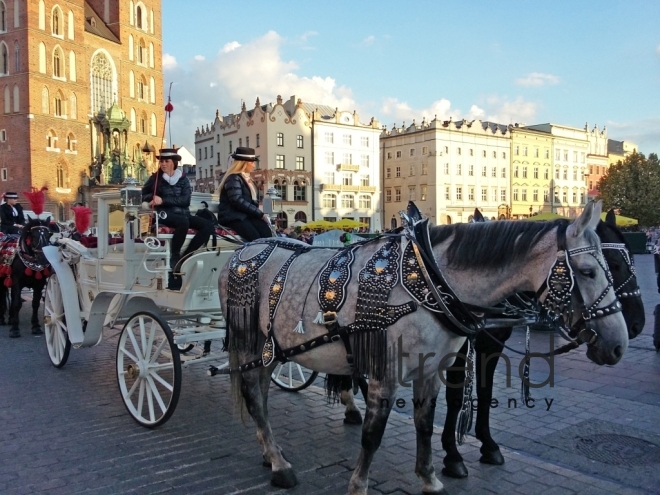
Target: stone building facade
(82, 94)
(448, 168)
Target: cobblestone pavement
(66, 431)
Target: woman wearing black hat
(11, 214)
(168, 191)
(239, 208)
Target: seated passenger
(168, 191)
(239, 208)
(11, 214)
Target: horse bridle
(623, 249)
(562, 287)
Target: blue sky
(566, 62)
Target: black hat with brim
(169, 153)
(244, 154)
(11, 195)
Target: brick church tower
(81, 89)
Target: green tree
(633, 186)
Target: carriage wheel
(148, 369)
(292, 377)
(183, 348)
(57, 337)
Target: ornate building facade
(82, 94)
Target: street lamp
(530, 210)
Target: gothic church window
(57, 21)
(102, 83)
(3, 17)
(4, 56)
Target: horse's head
(36, 236)
(621, 264)
(592, 294)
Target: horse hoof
(285, 478)
(37, 331)
(14, 332)
(352, 418)
(455, 470)
(493, 457)
(265, 463)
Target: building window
(138, 17)
(447, 149)
(504, 155)
(231, 147)
(471, 152)
(412, 170)
(299, 191)
(61, 175)
(574, 197)
(546, 195)
(565, 155)
(142, 53)
(504, 172)
(364, 180)
(329, 158)
(515, 194)
(547, 154)
(565, 174)
(299, 141)
(300, 163)
(258, 140)
(102, 83)
(459, 169)
(280, 139)
(3, 135)
(58, 105)
(459, 193)
(446, 169)
(546, 173)
(575, 173)
(388, 173)
(348, 158)
(494, 172)
(471, 170)
(564, 196)
(484, 194)
(398, 154)
(364, 202)
(575, 157)
(347, 201)
(398, 172)
(57, 22)
(536, 152)
(524, 195)
(412, 151)
(516, 150)
(556, 173)
(525, 151)
(397, 194)
(484, 171)
(279, 161)
(57, 62)
(494, 194)
(535, 195)
(281, 189)
(425, 150)
(536, 172)
(557, 154)
(364, 161)
(524, 170)
(4, 174)
(143, 123)
(71, 142)
(364, 141)
(458, 151)
(200, 153)
(329, 138)
(348, 140)
(515, 171)
(389, 155)
(206, 152)
(347, 179)
(17, 58)
(422, 195)
(388, 195)
(447, 193)
(471, 194)
(329, 201)
(503, 195)
(411, 193)
(51, 140)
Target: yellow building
(531, 171)
(619, 150)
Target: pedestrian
(345, 238)
(168, 191)
(656, 259)
(306, 236)
(12, 219)
(239, 208)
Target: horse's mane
(492, 244)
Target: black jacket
(176, 198)
(236, 201)
(207, 214)
(7, 218)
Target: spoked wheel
(148, 369)
(292, 377)
(57, 337)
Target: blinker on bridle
(623, 250)
(562, 286)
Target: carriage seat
(162, 229)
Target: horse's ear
(595, 218)
(610, 218)
(478, 217)
(413, 212)
(584, 220)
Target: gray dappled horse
(483, 266)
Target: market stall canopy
(347, 223)
(319, 224)
(621, 221)
(544, 217)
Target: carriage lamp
(131, 195)
(272, 203)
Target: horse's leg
(425, 393)
(352, 415)
(254, 388)
(15, 307)
(453, 461)
(487, 353)
(380, 399)
(36, 301)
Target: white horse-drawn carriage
(105, 282)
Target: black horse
(489, 346)
(24, 265)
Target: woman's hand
(266, 218)
(157, 201)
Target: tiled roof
(95, 25)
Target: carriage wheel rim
(146, 367)
(292, 376)
(55, 323)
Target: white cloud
(537, 79)
(169, 62)
(644, 133)
(505, 111)
(369, 40)
(231, 46)
(200, 58)
(243, 72)
(309, 34)
(401, 111)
